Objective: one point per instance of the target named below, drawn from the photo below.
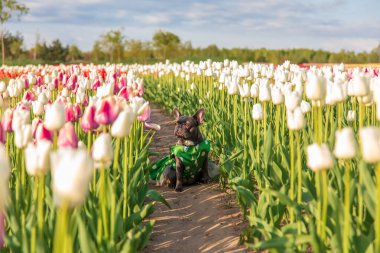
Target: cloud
(238, 23)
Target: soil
(201, 218)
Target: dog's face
(187, 127)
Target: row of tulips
(287, 140)
(73, 160)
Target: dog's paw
(205, 179)
(179, 188)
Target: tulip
(315, 87)
(107, 111)
(2, 229)
(7, 120)
(37, 159)
(257, 112)
(124, 93)
(23, 135)
(296, 120)
(360, 85)
(70, 113)
(232, 87)
(20, 118)
(42, 133)
(4, 177)
(370, 144)
(264, 92)
(145, 116)
(2, 134)
(345, 144)
(153, 126)
(38, 108)
(122, 125)
(277, 96)
(55, 116)
(305, 106)
(254, 91)
(244, 90)
(102, 151)
(88, 122)
(42, 98)
(351, 115)
(319, 157)
(71, 173)
(292, 101)
(67, 136)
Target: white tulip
(370, 144)
(315, 87)
(319, 157)
(264, 92)
(102, 152)
(296, 120)
(345, 144)
(71, 174)
(4, 177)
(37, 159)
(360, 85)
(351, 115)
(257, 112)
(277, 96)
(55, 117)
(23, 135)
(305, 106)
(244, 90)
(20, 118)
(254, 91)
(292, 100)
(122, 125)
(38, 108)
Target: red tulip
(107, 112)
(7, 120)
(67, 137)
(88, 122)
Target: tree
(166, 43)
(7, 7)
(113, 43)
(74, 53)
(13, 45)
(53, 53)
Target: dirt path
(202, 218)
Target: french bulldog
(188, 133)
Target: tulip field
(298, 145)
(74, 155)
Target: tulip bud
(360, 85)
(67, 136)
(345, 144)
(71, 174)
(88, 122)
(264, 92)
(244, 90)
(277, 96)
(107, 111)
(370, 144)
(37, 159)
(315, 87)
(153, 126)
(38, 108)
(254, 91)
(351, 115)
(296, 119)
(55, 116)
(305, 106)
(257, 112)
(319, 157)
(122, 125)
(102, 151)
(292, 101)
(23, 135)
(20, 118)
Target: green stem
(125, 173)
(41, 198)
(324, 204)
(291, 144)
(377, 221)
(103, 201)
(346, 228)
(114, 184)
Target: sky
(320, 24)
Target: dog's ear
(200, 115)
(176, 113)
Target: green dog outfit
(192, 158)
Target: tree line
(113, 46)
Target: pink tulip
(29, 96)
(88, 122)
(42, 133)
(107, 112)
(70, 113)
(7, 120)
(95, 84)
(145, 116)
(23, 105)
(60, 76)
(39, 81)
(67, 136)
(78, 111)
(3, 135)
(56, 82)
(124, 93)
(2, 229)
(35, 123)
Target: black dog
(188, 133)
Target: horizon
(330, 25)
